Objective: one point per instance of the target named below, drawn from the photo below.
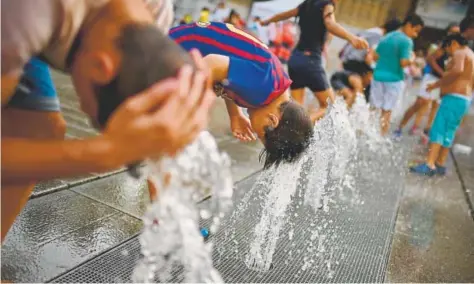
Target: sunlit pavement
(68, 222)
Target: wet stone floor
(69, 221)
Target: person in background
(259, 31)
(467, 27)
(432, 73)
(204, 16)
(349, 84)
(285, 42)
(394, 53)
(350, 55)
(235, 20)
(316, 19)
(187, 19)
(221, 13)
(456, 95)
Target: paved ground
(433, 239)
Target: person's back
(255, 76)
(313, 31)
(391, 50)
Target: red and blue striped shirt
(255, 77)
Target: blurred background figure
(259, 31)
(235, 19)
(205, 15)
(221, 13)
(187, 19)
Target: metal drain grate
(357, 240)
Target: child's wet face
(261, 119)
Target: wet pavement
(69, 221)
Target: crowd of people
(111, 50)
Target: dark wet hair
(457, 37)
(205, 9)
(392, 25)
(148, 56)
(290, 138)
(414, 20)
(466, 23)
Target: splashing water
(273, 216)
(324, 170)
(171, 239)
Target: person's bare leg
(432, 115)
(25, 124)
(433, 154)
(442, 156)
(414, 109)
(385, 121)
(323, 98)
(349, 96)
(420, 115)
(298, 95)
(152, 191)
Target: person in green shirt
(393, 54)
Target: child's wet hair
(287, 142)
(148, 56)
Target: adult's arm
(161, 120)
(333, 27)
(29, 160)
(282, 16)
(454, 72)
(432, 61)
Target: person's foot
(423, 169)
(397, 135)
(413, 130)
(440, 170)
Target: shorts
(337, 84)
(307, 71)
(385, 95)
(36, 90)
(451, 111)
(428, 79)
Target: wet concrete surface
(434, 234)
(465, 161)
(59, 231)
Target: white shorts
(428, 79)
(385, 95)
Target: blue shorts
(451, 111)
(306, 70)
(36, 90)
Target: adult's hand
(161, 120)
(359, 43)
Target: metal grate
(357, 239)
